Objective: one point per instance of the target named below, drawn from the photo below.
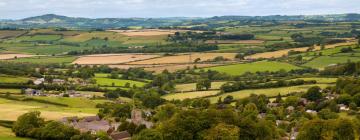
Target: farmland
(268, 92)
(170, 72)
(262, 66)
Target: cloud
(170, 8)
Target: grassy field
(76, 107)
(8, 34)
(7, 134)
(320, 80)
(324, 61)
(117, 82)
(192, 86)
(13, 79)
(239, 69)
(38, 38)
(11, 91)
(267, 92)
(189, 95)
(46, 59)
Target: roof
(120, 135)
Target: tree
(222, 132)
(197, 60)
(165, 112)
(240, 56)
(322, 46)
(85, 136)
(203, 84)
(313, 93)
(149, 134)
(326, 114)
(55, 130)
(27, 124)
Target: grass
(192, 86)
(321, 80)
(262, 66)
(324, 61)
(7, 134)
(11, 109)
(43, 49)
(189, 95)
(268, 92)
(117, 82)
(13, 79)
(11, 91)
(38, 38)
(46, 59)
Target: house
(123, 135)
(58, 81)
(33, 92)
(91, 124)
(272, 105)
(290, 109)
(137, 118)
(39, 81)
(311, 111)
(343, 107)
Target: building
(58, 81)
(91, 124)
(123, 135)
(137, 118)
(33, 92)
(39, 81)
(343, 107)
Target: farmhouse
(39, 81)
(33, 92)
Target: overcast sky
(16, 9)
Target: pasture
(324, 61)
(47, 60)
(268, 92)
(185, 58)
(192, 86)
(112, 58)
(13, 79)
(10, 33)
(261, 66)
(107, 82)
(190, 95)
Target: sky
(18, 9)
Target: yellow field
(189, 95)
(185, 58)
(111, 58)
(235, 41)
(12, 56)
(280, 53)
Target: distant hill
(52, 20)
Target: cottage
(39, 81)
(343, 107)
(311, 111)
(91, 124)
(58, 81)
(33, 92)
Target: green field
(267, 92)
(190, 95)
(13, 79)
(192, 86)
(76, 107)
(11, 91)
(117, 82)
(38, 38)
(324, 61)
(7, 134)
(46, 59)
(262, 66)
(320, 80)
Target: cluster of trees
(170, 48)
(31, 125)
(349, 68)
(236, 86)
(189, 36)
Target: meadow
(262, 66)
(107, 82)
(190, 95)
(47, 60)
(13, 79)
(324, 61)
(268, 92)
(192, 86)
